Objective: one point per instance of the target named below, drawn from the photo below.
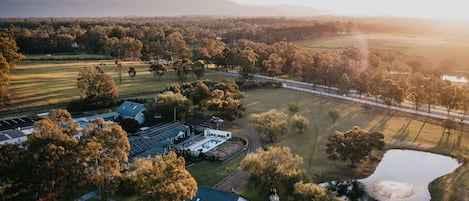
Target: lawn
(400, 130)
(37, 83)
(66, 56)
(433, 48)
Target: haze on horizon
(428, 9)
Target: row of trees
(53, 164)
(67, 35)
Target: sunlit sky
(432, 9)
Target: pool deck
(206, 144)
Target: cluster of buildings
(150, 141)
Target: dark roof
(209, 194)
(14, 133)
(139, 145)
(3, 137)
(8, 124)
(165, 131)
(130, 109)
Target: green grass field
(69, 56)
(36, 83)
(433, 48)
(400, 130)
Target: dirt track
(238, 179)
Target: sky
(429, 9)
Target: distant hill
(145, 8)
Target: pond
(402, 175)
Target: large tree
(354, 144)
(55, 169)
(177, 46)
(158, 69)
(451, 97)
(104, 151)
(311, 192)
(163, 178)
(172, 105)
(48, 167)
(96, 87)
(225, 101)
(9, 56)
(198, 68)
(247, 59)
(274, 64)
(391, 92)
(272, 167)
(432, 87)
(272, 124)
(299, 122)
(416, 92)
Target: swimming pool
(206, 144)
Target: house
(132, 110)
(462, 80)
(15, 123)
(210, 194)
(12, 137)
(15, 130)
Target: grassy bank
(400, 130)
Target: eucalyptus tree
(354, 144)
(104, 151)
(416, 92)
(163, 178)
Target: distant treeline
(90, 35)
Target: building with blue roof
(132, 110)
(210, 194)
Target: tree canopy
(96, 87)
(272, 124)
(163, 178)
(104, 151)
(272, 167)
(354, 144)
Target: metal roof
(130, 109)
(210, 194)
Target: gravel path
(238, 179)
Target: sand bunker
(393, 189)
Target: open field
(70, 56)
(433, 48)
(400, 130)
(35, 83)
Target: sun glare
(431, 9)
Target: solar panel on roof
(15, 133)
(3, 137)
